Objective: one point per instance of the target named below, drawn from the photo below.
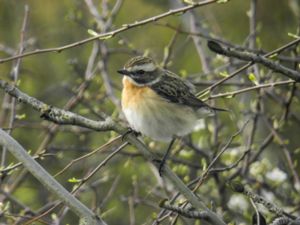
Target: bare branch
(185, 212)
(260, 86)
(274, 52)
(238, 187)
(111, 34)
(15, 76)
(48, 181)
(54, 114)
(247, 56)
(183, 189)
(65, 117)
(102, 148)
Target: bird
(158, 103)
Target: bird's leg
(164, 158)
(130, 131)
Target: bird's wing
(174, 89)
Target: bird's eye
(140, 72)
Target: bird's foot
(130, 131)
(160, 164)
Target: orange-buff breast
(133, 95)
(153, 115)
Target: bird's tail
(209, 111)
(219, 109)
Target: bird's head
(141, 71)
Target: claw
(130, 131)
(165, 157)
(161, 167)
(161, 164)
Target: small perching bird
(158, 103)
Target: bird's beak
(123, 72)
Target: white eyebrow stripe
(146, 67)
(157, 79)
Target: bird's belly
(159, 119)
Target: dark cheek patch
(141, 79)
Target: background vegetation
(262, 157)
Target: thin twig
(256, 212)
(210, 166)
(82, 182)
(286, 152)
(254, 58)
(260, 86)
(48, 181)
(17, 165)
(101, 148)
(110, 34)
(65, 117)
(271, 206)
(196, 25)
(199, 181)
(168, 51)
(54, 114)
(53, 128)
(185, 212)
(276, 51)
(103, 163)
(15, 77)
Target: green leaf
(297, 151)
(293, 35)
(18, 82)
(166, 51)
(252, 77)
(224, 74)
(222, 1)
(183, 73)
(95, 34)
(204, 94)
(273, 56)
(92, 32)
(229, 96)
(204, 164)
(190, 2)
(74, 180)
(275, 124)
(21, 116)
(106, 37)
